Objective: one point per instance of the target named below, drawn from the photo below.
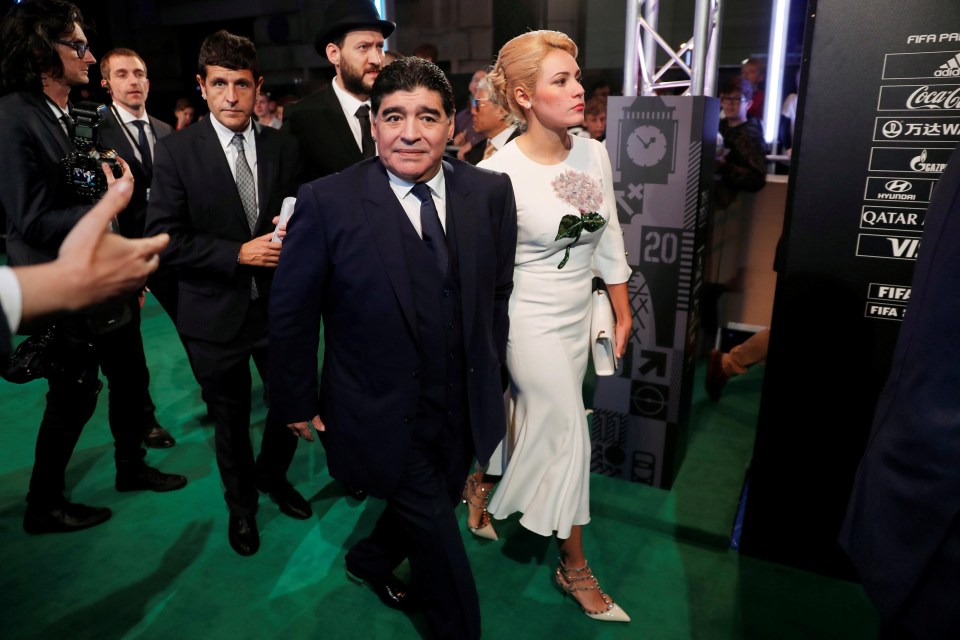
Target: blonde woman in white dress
(568, 226)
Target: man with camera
(132, 133)
(44, 54)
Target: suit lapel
(266, 175)
(462, 209)
(117, 139)
(337, 120)
(210, 147)
(57, 138)
(384, 217)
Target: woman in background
(567, 219)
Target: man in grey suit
(333, 125)
(130, 132)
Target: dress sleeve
(610, 258)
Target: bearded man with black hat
(333, 125)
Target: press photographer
(44, 53)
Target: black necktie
(430, 224)
(68, 123)
(145, 158)
(367, 146)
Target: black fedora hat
(347, 15)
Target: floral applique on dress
(582, 192)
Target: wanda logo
(926, 98)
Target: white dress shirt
(349, 104)
(11, 298)
(410, 203)
(127, 119)
(225, 136)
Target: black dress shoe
(243, 535)
(140, 477)
(63, 518)
(353, 492)
(288, 499)
(391, 590)
(156, 437)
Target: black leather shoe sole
(64, 519)
(289, 500)
(243, 535)
(158, 438)
(391, 591)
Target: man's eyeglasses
(732, 100)
(79, 46)
(476, 102)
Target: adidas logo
(950, 68)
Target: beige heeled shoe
(572, 580)
(475, 496)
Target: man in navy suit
(217, 187)
(408, 261)
(132, 133)
(902, 529)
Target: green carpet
(162, 567)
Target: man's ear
(333, 54)
(105, 85)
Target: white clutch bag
(602, 343)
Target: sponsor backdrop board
(661, 150)
(879, 114)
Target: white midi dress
(546, 453)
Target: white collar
(348, 102)
(226, 134)
(126, 117)
(501, 138)
(403, 188)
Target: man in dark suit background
(132, 133)
(45, 54)
(217, 186)
(333, 125)
(902, 529)
(414, 307)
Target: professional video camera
(82, 167)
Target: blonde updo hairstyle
(519, 65)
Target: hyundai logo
(898, 186)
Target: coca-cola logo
(934, 98)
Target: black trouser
(72, 398)
(419, 523)
(223, 371)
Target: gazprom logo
(949, 69)
(898, 186)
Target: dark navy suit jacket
(906, 496)
(343, 262)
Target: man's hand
(94, 264)
(302, 429)
(281, 230)
(126, 176)
(260, 252)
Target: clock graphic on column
(647, 145)
(647, 137)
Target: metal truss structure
(640, 73)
